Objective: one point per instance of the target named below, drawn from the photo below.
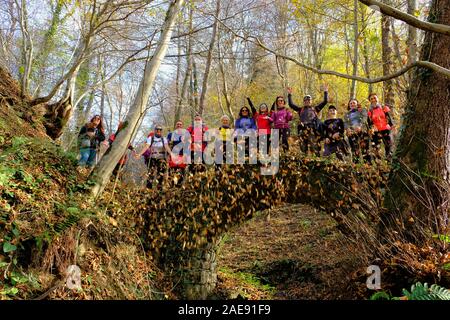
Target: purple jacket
(281, 118)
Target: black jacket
(94, 141)
(316, 108)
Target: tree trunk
(104, 169)
(209, 60)
(225, 92)
(177, 108)
(27, 50)
(388, 95)
(412, 37)
(365, 47)
(47, 46)
(355, 47)
(195, 85)
(219, 94)
(57, 115)
(419, 183)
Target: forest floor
(296, 252)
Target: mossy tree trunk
(103, 171)
(418, 195)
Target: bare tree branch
(426, 64)
(409, 19)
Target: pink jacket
(281, 118)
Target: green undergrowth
(418, 291)
(248, 285)
(46, 224)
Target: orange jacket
(380, 118)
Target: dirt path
(295, 254)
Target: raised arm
(292, 105)
(320, 106)
(273, 106)
(250, 103)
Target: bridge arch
(184, 223)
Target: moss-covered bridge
(182, 223)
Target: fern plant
(421, 291)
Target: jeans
(87, 157)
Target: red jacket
(124, 158)
(263, 122)
(380, 118)
(197, 136)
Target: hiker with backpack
(332, 130)
(355, 121)
(308, 127)
(178, 139)
(380, 125)
(263, 123)
(158, 149)
(281, 117)
(89, 139)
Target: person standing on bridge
(224, 142)
(157, 161)
(242, 126)
(281, 117)
(178, 140)
(263, 123)
(309, 124)
(380, 125)
(198, 142)
(355, 121)
(332, 131)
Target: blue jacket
(244, 123)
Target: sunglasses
(245, 110)
(158, 129)
(280, 100)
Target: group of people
(360, 132)
(365, 130)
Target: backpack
(148, 152)
(85, 142)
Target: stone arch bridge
(182, 223)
